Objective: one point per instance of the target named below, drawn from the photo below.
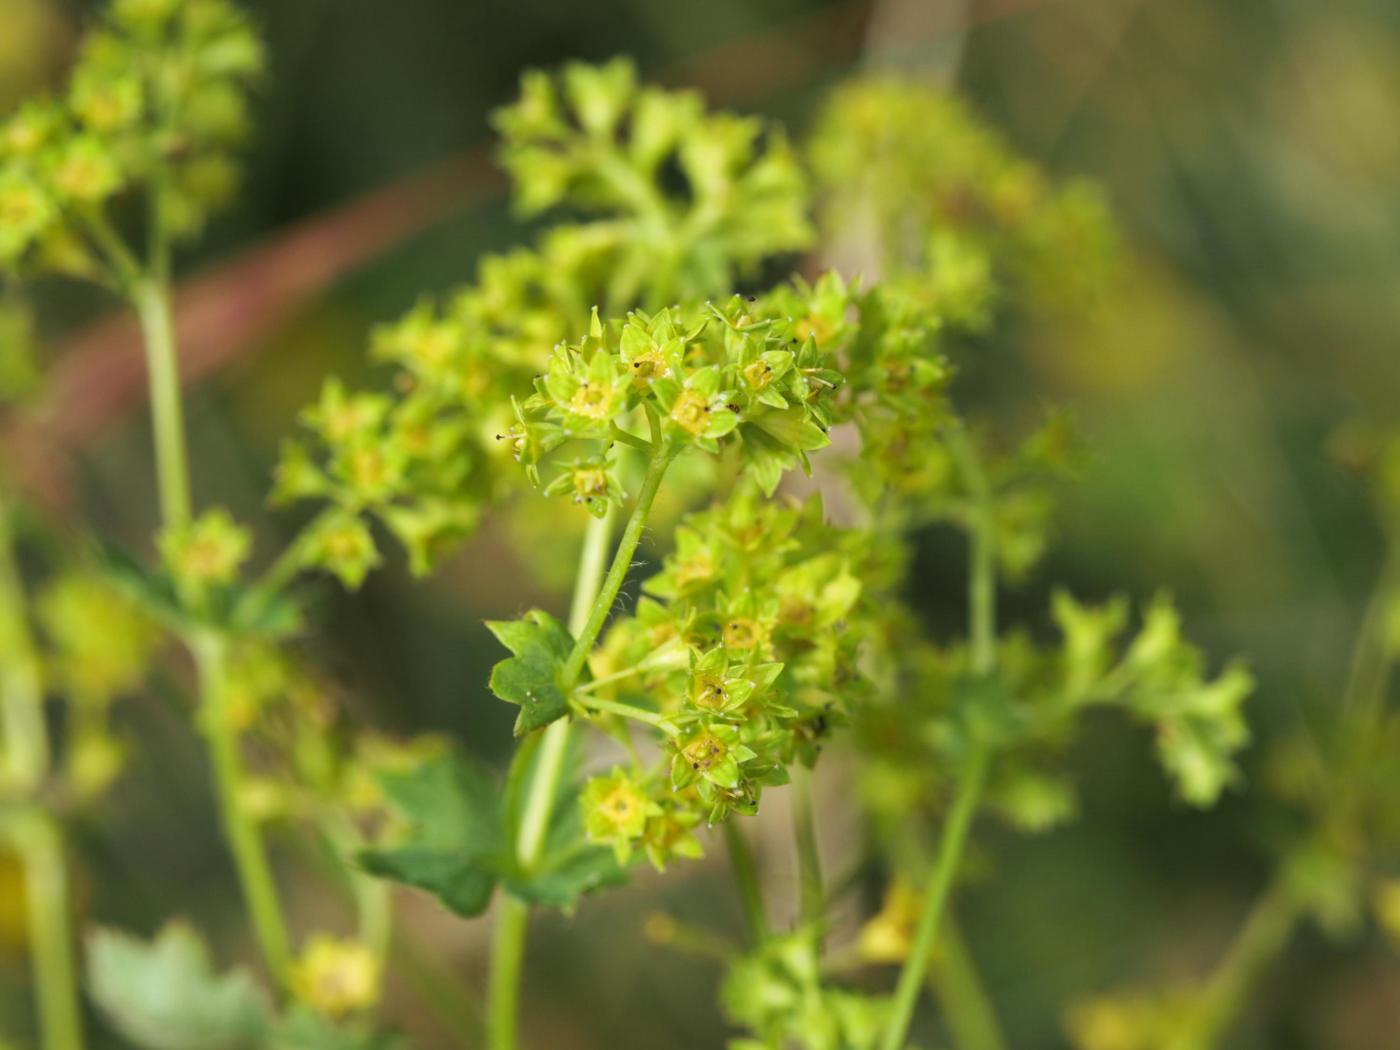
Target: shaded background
(1251, 151)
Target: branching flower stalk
(512, 924)
(593, 601)
(156, 105)
(245, 839)
(971, 779)
(961, 994)
(148, 291)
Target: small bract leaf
(530, 678)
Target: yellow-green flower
(336, 977)
(206, 552)
(615, 811)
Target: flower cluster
(424, 458)
(158, 97)
(1028, 710)
(918, 191)
(743, 653)
(419, 463)
(335, 976)
(709, 377)
(779, 993)
(593, 138)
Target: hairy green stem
(372, 897)
(508, 945)
(966, 1007)
(809, 859)
(152, 301)
(981, 598)
(35, 835)
(746, 878)
(244, 839)
(1265, 932)
(637, 714)
(617, 571)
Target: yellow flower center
(368, 469)
(434, 346)
(20, 206)
(816, 327)
(690, 412)
(703, 752)
(709, 691)
(336, 977)
(24, 136)
(620, 806)
(593, 401)
(206, 558)
(742, 633)
(105, 110)
(85, 178)
(344, 545)
(758, 374)
(591, 483)
(648, 366)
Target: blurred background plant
(1248, 155)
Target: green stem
(373, 897)
(671, 655)
(1373, 656)
(966, 1007)
(746, 878)
(249, 852)
(617, 572)
(150, 295)
(40, 846)
(539, 800)
(21, 692)
(935, 898)
(287, 564)
(981, 599)
(507, 961)
(637, 714)
(809, 859)
(508, 946)
(1260, 940)
(36, 836)
(152, 301)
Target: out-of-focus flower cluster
(1027, 712)
(158, 99)
(684, 202)
(915, 190)
(424, 458)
